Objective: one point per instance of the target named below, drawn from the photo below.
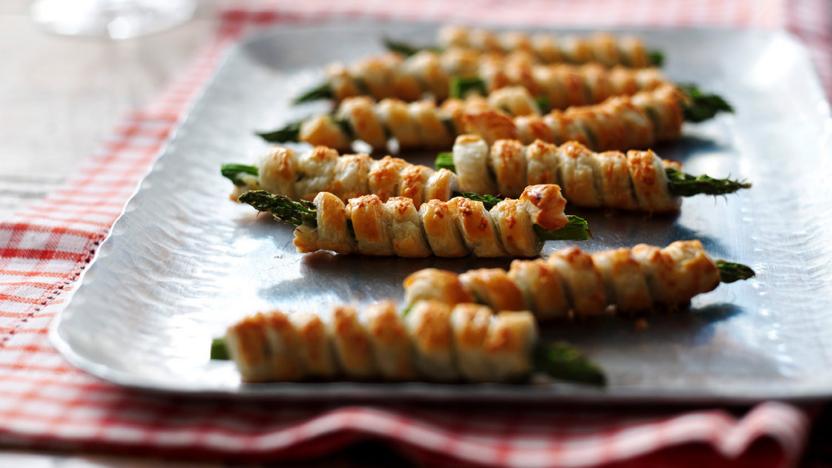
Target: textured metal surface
(183, 262)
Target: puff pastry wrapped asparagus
(454, 228)
(456, 73)
(638, 180)
(433, 342)
(619, 123)
(427, 72)
(573, 283)
(603, 48)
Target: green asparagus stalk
(399, 47)
(563, 361)
(407, 49)
(543, 104)
(681, 184)
(321, 91)
(444, 160)
(488, 200)
(686, 185)
(219, 350)
(576, 228)
(730, 272)
(559, 360)
(294, 212)
(656, 58)
(703, 106)
(462, 86)
(297, 212)
(290, 132)
(235, 173)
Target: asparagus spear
(488, 200)
(656, 57)
(686, 185)
(219, 350)
(407, 49)
(681, 184)
(462, 86)
(291, 131)
(562, 361)
(235, 172)
(321, 91)
(700, 106)
(730, 272)
(238, 173)
(297, 212)
(559, 360)
(543, 104)
(294, 212)
(703, 106)
(576, 229)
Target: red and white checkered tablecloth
(45, 403)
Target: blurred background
(66, 93)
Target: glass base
(114, 19)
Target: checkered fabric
(45, 403)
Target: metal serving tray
(183, 262)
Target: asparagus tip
(405, 48)
(399, 47)
(219, 350)
(543, 104)
(445, 161)
(487, 200)
(576, 228)
(321, 91)
(462, 86)
(294, 212)
(564, 362)
(703, 106)
(289, 132)
(656, 58)
(233, 171)
(686, 185)
(558, 360)
(730, 272)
